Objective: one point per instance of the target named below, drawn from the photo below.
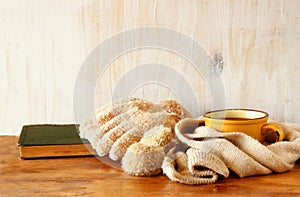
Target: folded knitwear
(212, 154)
(134, 131)
(148, 138)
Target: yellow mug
(249, 121)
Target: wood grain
(44, 43)
(87, 176)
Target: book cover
(49, 140)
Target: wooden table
(87, 176)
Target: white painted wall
(44, 43)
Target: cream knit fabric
(139, 133)
(212, 153)
(135, 131)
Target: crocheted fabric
(212, 154)
(136, 132)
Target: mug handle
(201, 122)
(274, 127)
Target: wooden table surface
(88, 176)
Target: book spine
(22, 135)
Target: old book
(48, 140)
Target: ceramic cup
(249, 121)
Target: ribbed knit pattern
(217, 153)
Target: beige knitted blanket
(212, 154)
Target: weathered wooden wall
(44, 43)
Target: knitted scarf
(211, 154)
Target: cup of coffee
(249, 121)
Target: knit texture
(212, 154)
(135, 132)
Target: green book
(52, 140)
